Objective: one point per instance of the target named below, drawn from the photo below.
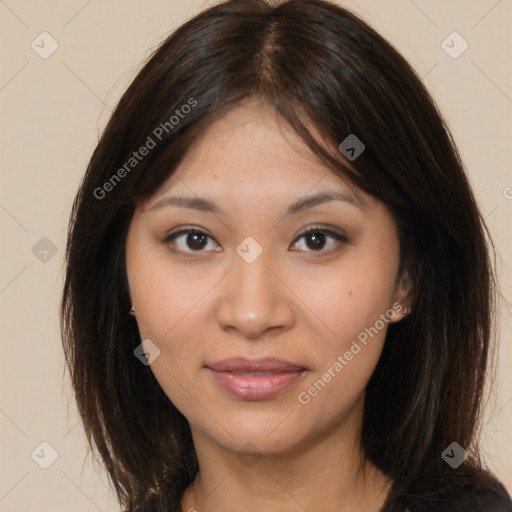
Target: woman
(278, 292)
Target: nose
(255, 299)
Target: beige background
(53, 110)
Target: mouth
(255, 379)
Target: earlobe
(402, 299)
(399, 311)
(405, 311)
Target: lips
(255, 379)
(240, 365)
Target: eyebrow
(304, 203)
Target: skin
(299, 301)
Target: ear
(402, 298)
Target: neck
(328, 474)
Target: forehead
(251, 150)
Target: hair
(319, 67)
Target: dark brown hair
(320, 66)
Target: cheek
(348, 354)
(349, 297)
(171, 314)
(164, 295)
(351, 304)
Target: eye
(316, 238)
(193, 239)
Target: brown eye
(189, 240)
(316, 239)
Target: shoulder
(485, 495)
(482, 492)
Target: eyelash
(341, 239)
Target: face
(231, 271)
